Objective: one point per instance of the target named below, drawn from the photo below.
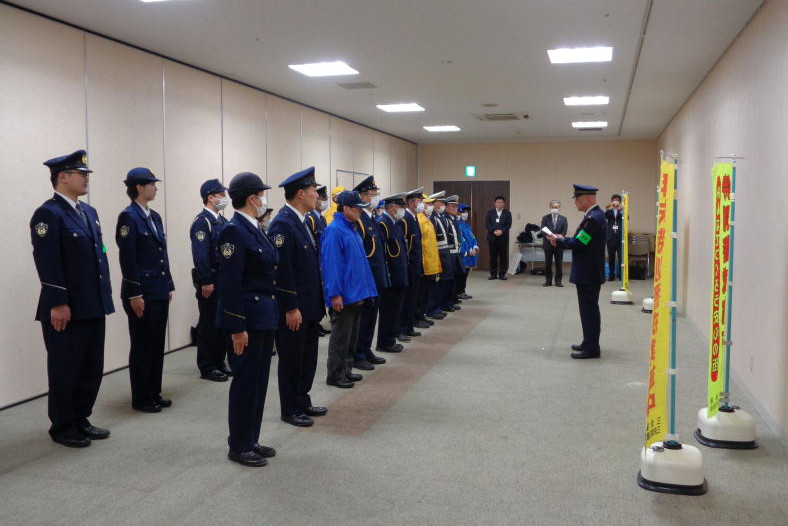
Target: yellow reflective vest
(429, 246)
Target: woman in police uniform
(248, 311)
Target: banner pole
(726, 394)
(672, 436)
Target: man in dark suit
(411, 232)
(498, 223)
(588, 267)
(212, 343)
(397, 260)
(557, 225)
(613, 214)
(299, 292)
(75, 298)
(146, 290)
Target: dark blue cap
(73, 161)
(366, 184)
(302, 179)
(322, 191)
(245, 184)
(140, 175)
(581, 189)
(351, 198)
(211, 186)
(463, 208)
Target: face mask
(617, 204)
(420, 208)
(399, 214)
(375, 201)
(263, 206)
(323, 206)
(553, 210)
(440, 209)
(464, 216)
(428, 209)
(221, 202)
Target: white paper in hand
(547, 231)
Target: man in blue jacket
(588, 267)
(75, 298)
(347, 281)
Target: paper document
(547, 231)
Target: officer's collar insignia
(227, 250)
(200, 235)
(124, 231)
(41, 229)
(279, 240)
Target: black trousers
(461, 282)
(614, 258)
(248, 389)
(146, 356)
(553, 253)
(437, 295)
(75, 363)
(410, 298)
(499, 256)
(213, 344)
(297, 351)
(390, 311)
(425, 284)
(342, 343)
(590, 318)
(366, 331)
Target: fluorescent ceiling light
(324, 69)
(400, 108)
(151, 1)
(580, 54)
(589, 124)
(587, 100)
(443, 128)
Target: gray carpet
(483, 420)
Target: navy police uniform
(298, 286)
(588, 272)
(146, 273)
(397, 259)
(71, 261)
(411, 233)
(212, 343)
(437, 294)
(247, 303)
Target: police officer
(374, 248)
(588, 267)
(212, 343)
(247, 311)
(146, 289)
(412, 235)
(435, 302)
(299, 292)
(317, 223)
(397, 260)
(614, 214)
(454, 239)
(75, 298)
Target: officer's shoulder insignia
(279, 240)
(227, 250)
(41, 229)
(97, 223)
(124, 231)
(200, 235)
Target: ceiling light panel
(577, 55)
(589, 124)
(404, 107)
(324, 69)
(442, 128)
(587, 100)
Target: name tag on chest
(497, 219)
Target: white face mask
(399, 214)
(221, 202)
(428, 209)
(375, 201)
(440, 209)
(323, 206)
(464, 216)
(420, 208)
(553, 210)
(263, 206)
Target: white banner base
(676, 468)
(648, 305)
(729, 429)
(621, 297)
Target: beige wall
(741, 109)
(539, 172)
(128, 108)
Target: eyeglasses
(69, 172)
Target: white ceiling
(451, 56)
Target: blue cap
(140, 175)
(245, 184)
(463, 207)
(211, 186)
(322, 191)
(302, 179)
(366, 184)
(581, 189)
(73, 161)
(396, 199)
(351, 198)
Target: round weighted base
(730, 428)
(672, 468)
(621, 297)
(648, 305)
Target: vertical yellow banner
(721, 177)
(625, 241)
(659, 349)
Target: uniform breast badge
(124, 231)
(41, 229)
(200, 236)
(279, 240)
(227, 250)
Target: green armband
(584, 237)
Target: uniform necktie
(149, 220)
(82, 215)
(309, 231)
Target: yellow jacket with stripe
(429, 246)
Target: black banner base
(724, 444)
(673, 489)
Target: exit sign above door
(470, 171)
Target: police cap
(211, 186)
(73, 161)
(140, 175)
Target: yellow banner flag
(656, 410)
(625, 241)
(722, 176)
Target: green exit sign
(470, 171)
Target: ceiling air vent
(589, 129)
(501, 117)
(357, 85)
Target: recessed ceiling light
(587, 100)
(324, 69)
(580, 54)
(442, 128)
(589, 124)
(400, 108)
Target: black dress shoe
(376, 360)
(422, 324)
(353, 377)
(363, 366)
(558, 284)
(403, 337)
(214, 375)
(578, 348)
(164, 402)
(264, 451)
(503, 278)
(299, 419)
(492, 278)
(437, 316)
(547, 284)
(147, 408)
(226, 370)
(583, 355)
(464, 296)
(413, 333)
(92, 432)
(322, 331)
(71, 439)
(248, 458)
(316, 410)
(396, 347)
(342, 384)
